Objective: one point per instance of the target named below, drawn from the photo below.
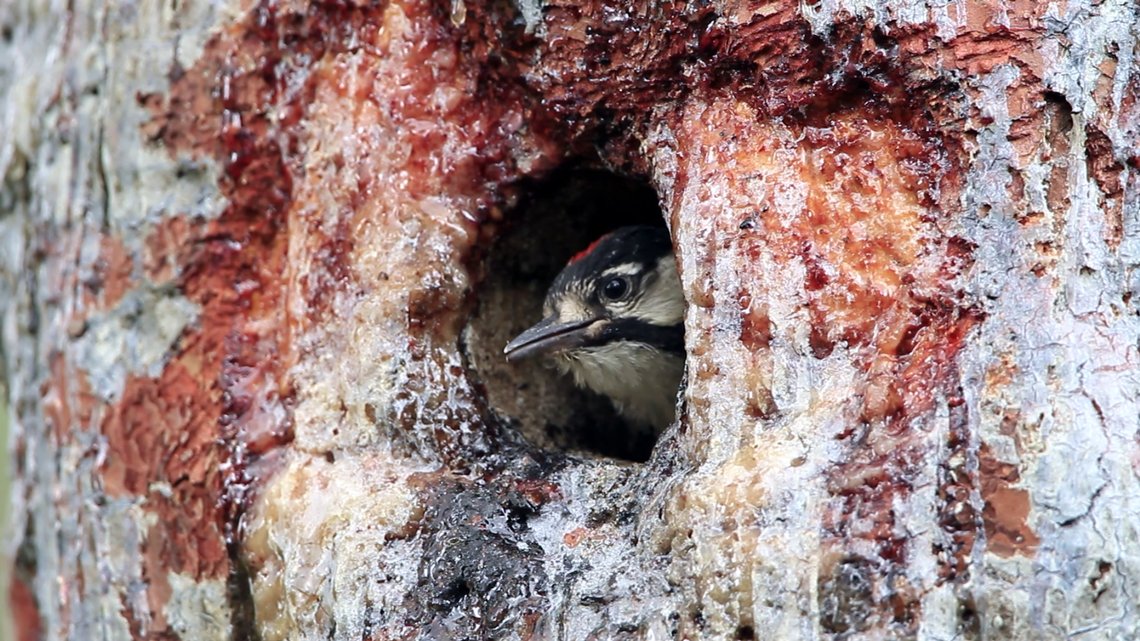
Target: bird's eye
(615, 288)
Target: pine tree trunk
(258, 262)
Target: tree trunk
(259, 261)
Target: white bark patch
(1085, 32)
(133, 338)
(197, 609)
(143, 184)
(1073, 389)
(319, 551)
(114, 553)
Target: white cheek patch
(662, 303)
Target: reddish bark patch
(755, 325)
(154, 572)
(331, 271)
(537, 491)
(163, 431)
(113, 272)
(185, 439)
(414, 138)
(25, 612)
(168, 248)
(878, 276)
(575, 536)
(232, 105)
(848, 206)
(881, 472)
(1006, 510)
(1105, 169)
(66, 400)
(241, 104)
(988, 37)
(609, 65)
(162, 443)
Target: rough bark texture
(257, 261)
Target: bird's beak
(547, 337)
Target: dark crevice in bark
(482, 569)
(243, 616)
(845, 597)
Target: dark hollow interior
(555, 220)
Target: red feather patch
(582, 254)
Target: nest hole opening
(556, 219)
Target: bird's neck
(640, 380)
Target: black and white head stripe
(666, 338)
(632, 252)
(627, 281)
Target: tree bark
(259, 261)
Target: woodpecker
(614, 319)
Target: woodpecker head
(614, 318)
